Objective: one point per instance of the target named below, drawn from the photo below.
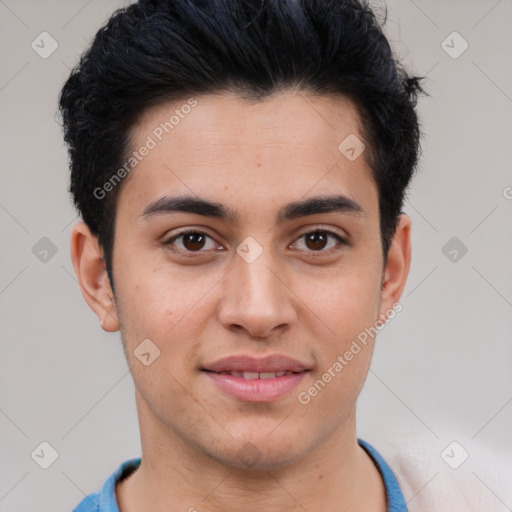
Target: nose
(256, 297)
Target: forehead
(287, 117)
(282, 146)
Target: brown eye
(193, 241)
(190, 241)
(318, 240)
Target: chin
(261, 454)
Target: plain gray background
(442, 368)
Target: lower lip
(256, 390)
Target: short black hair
(156, 51)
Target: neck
(337, 475)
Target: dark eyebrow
(291, 211)
(320, 204)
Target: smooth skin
(199, 302)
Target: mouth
(249, 365)
(256, 375)
(250, 379)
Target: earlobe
(397, 266)
(87, 258)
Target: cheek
(160, 309)
(346, 309)
(148, 299)
(345, 302)
(166, 308)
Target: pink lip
(242, 363)
(256, 390)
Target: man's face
(257, 287)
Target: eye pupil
(318, 238)
(196, 239)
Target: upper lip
(246, 363)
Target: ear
(397, 266)
(90, 270)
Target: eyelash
(170, 241)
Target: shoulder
(439, 474)
(89, 503)
(105, 499)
